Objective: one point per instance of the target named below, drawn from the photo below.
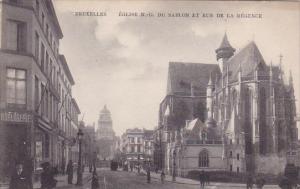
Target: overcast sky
(122, 61)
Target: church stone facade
(244, 111)
(105, 135)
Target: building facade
(242, 101)
(88, 145)
(137, 147)
(35, 87)
(105, 136)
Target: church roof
(181, 75)
(196, 126)
(225, 43)
(193, 129)
(249, 58)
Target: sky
(122, 61)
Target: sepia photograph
(98, 94)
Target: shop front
(15, 142)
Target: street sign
(19, 117)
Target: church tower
(105, 136)
(105, 129)
(224, 52)
(209, 98)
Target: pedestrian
(70, 171)
(260, 182)
(162, 177)
(249, 183)
(148, 175)
(63, 166)
(47, 177)
(28, 169)
(207, 178)
(90, 168)
(285, 183)
(202, 179)
(19, 180)
(95, 181)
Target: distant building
(242, 104)
(88, 145)
(137, 146)
(148, 145)
(105, 136)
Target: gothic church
(244, 112)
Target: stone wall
(271, 164)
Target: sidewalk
(180, 180)
(62, 180)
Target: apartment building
(137, 147)
(35, 87)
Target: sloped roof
(193, 128)
(249, 58)
(181, 75)
(225, 43)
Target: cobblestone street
(132, 180)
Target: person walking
(285, 183)
(249, 183)
(70, 171)
(202, 179)
(95, 181)
(207, 178)
(47, 177)
(19, 179)
(260, 182)
(162, 177)
(148, 175)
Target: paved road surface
(131, 180)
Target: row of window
(137, 149)
(48, 67)
(45, 27)
(231, 169)
(237, 155)
(204, 160)
(17, 41)
(45, 102)
(133, 139)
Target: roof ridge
(199, 63)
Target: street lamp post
(174, 166)
(79, 171)
(138, 163)
(94, 161)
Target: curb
(217, 184)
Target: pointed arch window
(203, 158)
(247, 121)
(262, 121)
(203, 135)
(233, 98)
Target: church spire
(240, 72)
(290, 78)
(210, 83)
(209, 96)
(224, 52)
